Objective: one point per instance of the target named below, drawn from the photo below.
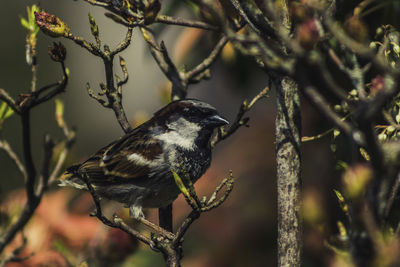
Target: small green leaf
(180, 184)
(333, 148)
(342, 230)
(336, 133)
(2, 109)
(365, 154)
(60, 113)
(5, 111)
(24, 23)
(8, 113)
(341, 165)
(339, 195)
(342, 201)
(29, 23)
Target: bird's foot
(136, 213)
(157, 229)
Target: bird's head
(191, 119)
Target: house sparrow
(136, 169)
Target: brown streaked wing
(91, 166)
(119, 165)
(125, 141)
(92, 169)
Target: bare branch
(160, 55)
(92, 48)
(33, 200)
(93, 95)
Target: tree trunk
(288, 125)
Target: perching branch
(116, 222)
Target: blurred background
(242, 232)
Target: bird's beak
(217, 120)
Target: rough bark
(288, 125)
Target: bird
(136, 169)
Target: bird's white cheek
(174, 138)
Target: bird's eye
(190, 111)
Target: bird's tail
(70, 178)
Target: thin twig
(198, 206)
(9, 100)
(315, 137)
(185, 22)
(59, 87)
(317, 99)
(124, 44)
(98, 3)
(239, 120)
(7, 148)
(93, 95)
(207, 62)
(92, 48)
(70, 135)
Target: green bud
(372, 45)
(398, 118)
(390, 129)
(353, 92)
(382, 137)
